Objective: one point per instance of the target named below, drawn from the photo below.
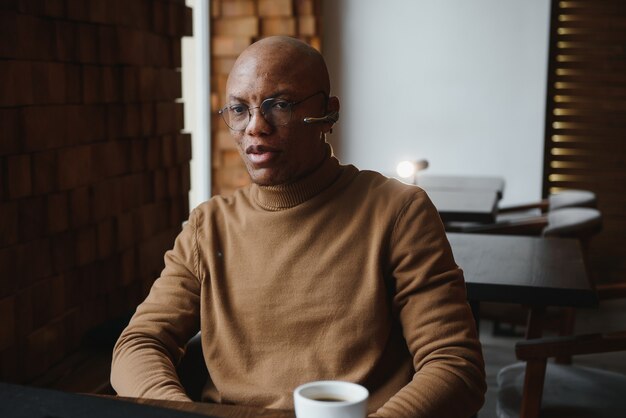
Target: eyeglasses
(277, 112)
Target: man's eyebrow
(281, 93)
(233, 98)
(278, 93)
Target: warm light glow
(568, 164)
(406, 169)
(571, 45)
(566, 31)
(565, 112)
(559, 98)
(567, 58)
(565, 178)
(564, 151)
(561, 138)
(568, 71)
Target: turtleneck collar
(289, 195)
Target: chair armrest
(611, 291)
(541, 205)
(542, 348)
(529, 226)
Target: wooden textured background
(94, 169)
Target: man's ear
(332, 109)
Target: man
(315, 271)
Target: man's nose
(258, 125)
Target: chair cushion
(568, 391)
(572, 198)
(572, 222)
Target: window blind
(585, 146)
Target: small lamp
(409, 169)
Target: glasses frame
(222, 112)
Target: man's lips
(261, 154)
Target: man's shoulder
(222, 203)
(386, 187)
(369, 188)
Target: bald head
(285, 141)
(281, 58)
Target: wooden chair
(538, 388)
(579, 223)
(566, 199)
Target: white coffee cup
(330, 399)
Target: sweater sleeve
(430, 303)
(147, 351)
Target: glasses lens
(277, 112)
(236, 117)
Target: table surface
(524, 270)
(18, 401)
(218, 411)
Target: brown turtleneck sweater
(343, 275)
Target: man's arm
(430, 303)
(146, 354)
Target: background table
(464, 198)
(533, 271)
(465, 205)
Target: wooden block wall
(235, 24)
(94, 169)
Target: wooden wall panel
(586, 118)
(235, 24)
(94, 169)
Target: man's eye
(280, 105)
(237, 109)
